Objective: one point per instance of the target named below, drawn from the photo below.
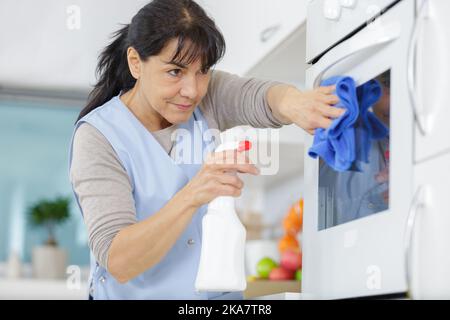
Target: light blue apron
(155, 179)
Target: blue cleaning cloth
(336, 144)
(346, 143)
(369, 127)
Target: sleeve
(235, 101)
(103, 189)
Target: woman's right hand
(215, 178)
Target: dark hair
(149, 31)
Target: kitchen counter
(34, 289)
(282, 296)
(260, 288)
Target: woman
(143, 208)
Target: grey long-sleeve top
(100, 181)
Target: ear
(134, 62)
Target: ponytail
(113, 72)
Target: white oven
(368, 231)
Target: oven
(354, 222)
(382, 226)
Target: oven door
(354, 222)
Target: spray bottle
(222, 259)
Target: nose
(189, 87)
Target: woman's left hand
(309, 109)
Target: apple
(280, 273)
(265, 266)
(298, 275)
(291, 260)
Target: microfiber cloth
(346, 143)
(336, 144)
(369, 127)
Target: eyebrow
(176, 64)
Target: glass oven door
(363, 189)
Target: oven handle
(382, 35)
(418, 202)
(412, 51)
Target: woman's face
(171, 92)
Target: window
(34, 144)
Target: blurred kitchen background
(48, 55)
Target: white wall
(41, 46)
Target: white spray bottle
(222, 259)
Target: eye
(175, 72)
(204, 71)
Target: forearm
(276, 98)
(140, 246)
(236, 101)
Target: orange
(288, 242)
(293, 221)
(291, 225)
(300, 212)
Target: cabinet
(252, 28)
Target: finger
(228, 190)
(326, 89)
(329, 99)
(241, 168)
(331, 112)
(209, 158)
(232, 157)
(228, 156)
(242, 157)
(246, 168)
(231, 180)
(323, 122)
(311, 131)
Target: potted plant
(48, 260)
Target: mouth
(183, 107)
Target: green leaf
(54, 211)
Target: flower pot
(49, 262)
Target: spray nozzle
(244, 145)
